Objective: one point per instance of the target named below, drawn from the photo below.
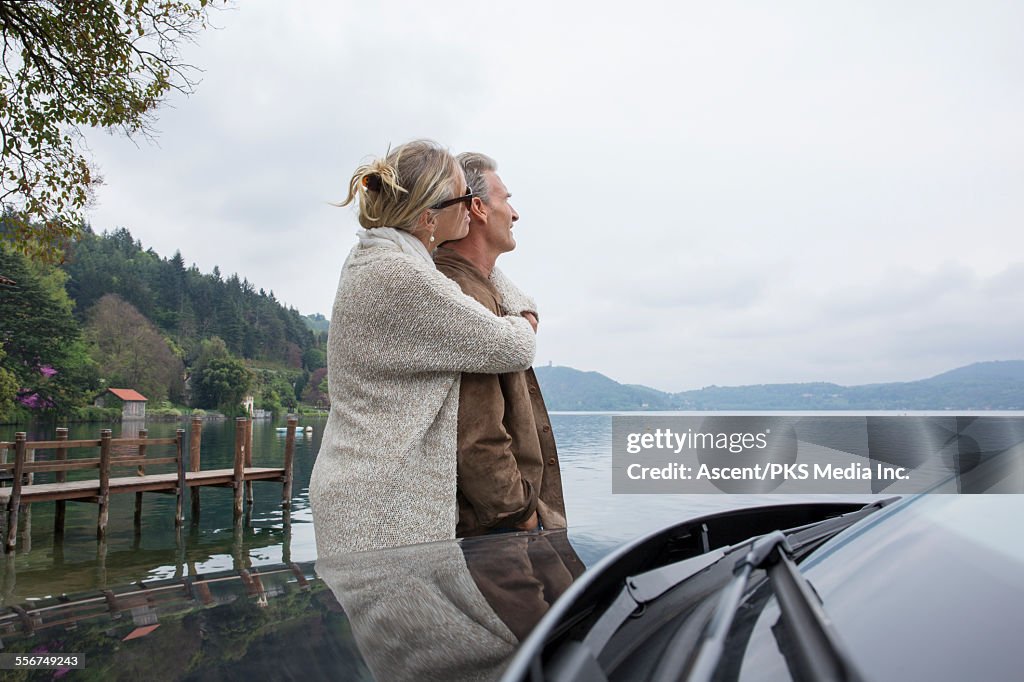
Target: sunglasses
(467, 197)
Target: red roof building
(133, 403)
(127, 394)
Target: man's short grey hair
(475, 165)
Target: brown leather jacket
(507, 461)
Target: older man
(508, 475)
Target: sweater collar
(389, 236)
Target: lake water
(598, 520)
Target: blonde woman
(401, 334)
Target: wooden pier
(166, 600)
(121, 453)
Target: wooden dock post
(141, 471)
(237, 545)
(289, 459)
(101, 561)
(180, 557)
(193, 461)
(248, 460)
(104, 496)
(179, 514)
(26, 511)
(15, 500)
(10, 577)
(239, 471)
(143, 435)
(62, 476)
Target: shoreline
(184, 417)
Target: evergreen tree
(8, 387)
(42, 341)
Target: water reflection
(279, 622)
(440, 611)
(598, 520)
(449, 610)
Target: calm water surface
(599, 521)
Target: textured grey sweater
(401, 334)
(417, 614)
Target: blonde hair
(395, 190)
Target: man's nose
(515, 215)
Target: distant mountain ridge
(996, 385)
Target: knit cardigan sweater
(417, 614)
(401, 335)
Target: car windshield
(905, 591)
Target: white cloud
(710, 193)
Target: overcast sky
(710, 193)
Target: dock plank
(71, 490)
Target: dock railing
(116, 453)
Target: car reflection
(453, 610)
(449, 610)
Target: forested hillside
(183, 303)
(117, 314)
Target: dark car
(444, 611)
(929, 587)
(926, 588)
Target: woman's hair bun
(397, 199)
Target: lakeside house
(249, 405)
(133, 403)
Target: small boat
(298, 429)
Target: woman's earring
(431, 236)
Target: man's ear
(477, 208)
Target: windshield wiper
(815, 652)
(576, 660)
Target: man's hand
(530, 523)
(532, 319)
